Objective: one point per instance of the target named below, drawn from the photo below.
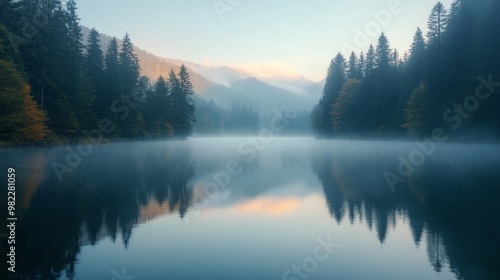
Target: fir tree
(370, 61)
(94, 68)
(128, 64)
(111, 86)
(94, 57)
(353, 72)
(81, 93)
(382, 53)
(436, 25)
(416, 61)
(158, 111)
(185, 103)
(361, 66)
(334, 82)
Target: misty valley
(250, 140)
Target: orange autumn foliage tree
(35, 129)
(20, 118)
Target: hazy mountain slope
(225, 97)
(220, 75)
(225, 85)
(298, 85)
(154, 66)
(269, 97)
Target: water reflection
(452, 199)
(450, 202)
(103, 197)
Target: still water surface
(237, 208)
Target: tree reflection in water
(457, 210)
(102, 197)
(450, 206)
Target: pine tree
(382, 53)
(352, 72)
(335, 79)
(74, 35)
(129, 71)
(416, 61)
(436, 25)
(111, 86)
(186, 104)
(94, 68)
(338, 75)
(381, 90)
(164, 105)
(361, 65)
(79, 85)
(128, 64)
(370, 61)
(176, 99)
(94, 57)
(158, 111)
(433, 91)
(112, 74)
(111, 59)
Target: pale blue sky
(284, 37)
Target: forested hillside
(53, 86)
(448, 83)
(61, 81)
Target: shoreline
(54, 143)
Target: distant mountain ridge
(226, 85)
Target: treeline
(212, 119)
(447, 84)
(242, 119)
(54, 86)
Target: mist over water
(243, 208)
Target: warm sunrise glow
(269, 206)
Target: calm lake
(243, 208)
